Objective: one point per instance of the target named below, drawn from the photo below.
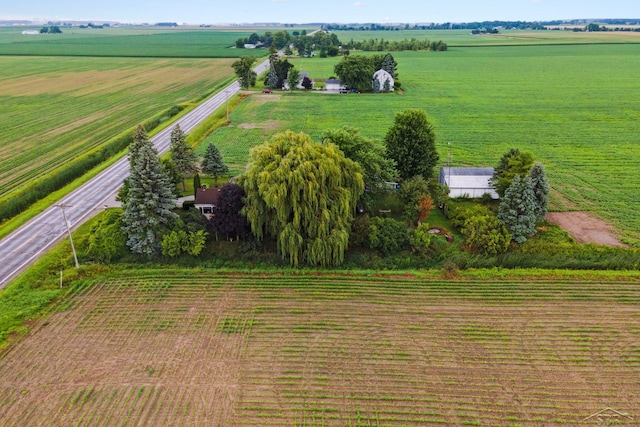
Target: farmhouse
(469, 182)
(206, 200)
(382, 81)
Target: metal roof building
(470, 182)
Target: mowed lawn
(55, 109)
(196, 348)
(576, 108)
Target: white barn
(382, 77)
(468, 182)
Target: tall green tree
(148, 209)
(411, 143)
(540, 188)
(377, 169)
(512, 163)
(355, 71)
(293, 78)
(212, 163)
(140, 139)
(182, 154)
(303, 194)
(517, 209)
(244, 71)
(272, 77)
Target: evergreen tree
(140, 139)
(147, 211)
(517, 209)
(196, 183)
(212, 163)
(272, 77)
(304, 194)
(513, 162)
(387, 86)
(182, 154)
(389, 65)
(376, 86)
(540, 190)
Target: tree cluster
(356, 71)
(53, 29)
(244, 71)
(373, 45)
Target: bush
(387, 235)
(359, 230)
(421, 239)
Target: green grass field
(196, 348)
(127, 42)
(575, 107)
(56, 109)
(457, 38)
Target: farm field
(56, 109)
(211, 348)
(127, 42)
(458, 38)
(576, 108)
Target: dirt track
(585, 228)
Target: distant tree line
(303, 44)
(54, 29)
(373, 45)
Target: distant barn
(468, 182)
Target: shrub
(421, 239)
(359, 230)
(387, 235)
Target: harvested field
(215, 349)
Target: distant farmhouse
(468, 182)
(382, 81)
(31, 32)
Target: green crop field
(211, 348)
(575, 107)
(506, 37)
(56, 109)
(127, 42)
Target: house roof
(474, 182)
(332, 81)
(382, 74)
(467, 171)
(304, 74)
(207, 196)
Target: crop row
(315, 350)
(71, 108)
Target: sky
(305, 11)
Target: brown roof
(207, 196)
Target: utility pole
(73, 248)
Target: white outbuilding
(468, 182)
(382, 81)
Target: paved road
(29, 242)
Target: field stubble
(57, 109)
(296, 350)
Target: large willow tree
(304, 194)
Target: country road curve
(25, 245)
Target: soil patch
(268, 124)
(585, 228)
